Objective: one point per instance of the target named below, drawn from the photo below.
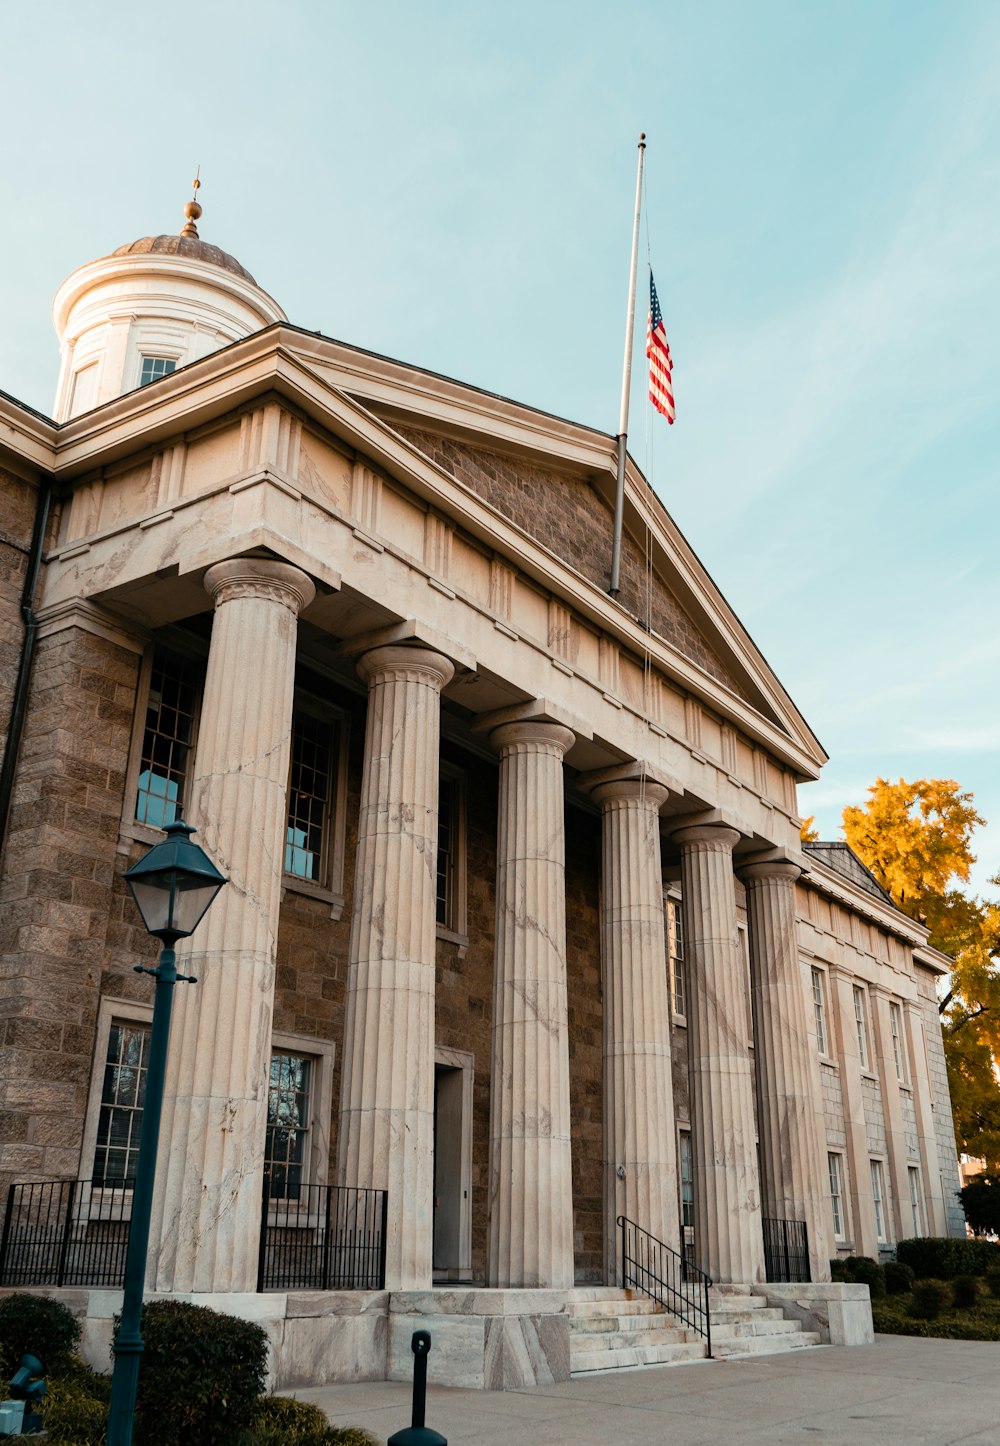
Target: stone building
(519, 927)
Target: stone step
(739, 1329)
(763, 1345)
(600, 1292)
(640, 1305)
(736, 1302)
(616, 1360)
(609, 1324)
(731, 1316)
(617, 1340)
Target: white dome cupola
(146, 310)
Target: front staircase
(612, 1329)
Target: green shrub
(965, 1291)
(930, 1298)
(839, 1271)
(899, 1278)
(33, 1324)
(201, 1378)
(993, 1281)
(866, 1271)
(935, 1258)
(73, 1414)
(891, 1317)
(283, 1422)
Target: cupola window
(155, 367)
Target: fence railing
(786, 1250)
(75, 1232)
(322, 1237)
(65, 1232)
(666, 1277)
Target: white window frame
(862, 1032)
(316, 1168)
(673, 927)
(820, 1011)
(879, 1201)
(917, 1206)
(896, 1027)
(131, 830)
(835, 1171)
(685, 1145)
(456, 931)
(149, 349)
(329, 887)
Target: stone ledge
(840, 1313)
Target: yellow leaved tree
(917, 840)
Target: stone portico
(477, 968)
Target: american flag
(661, 390)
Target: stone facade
(451, 783)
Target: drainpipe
(19, 706)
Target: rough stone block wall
(59, 902)
(944, 1125)
(567, 516)
(586, 1028)
(833, 1107)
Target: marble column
(386, 1132)
(794, 1183)
(728, 1233)
(215, 1109)
(640, 1154)
(531, 1196)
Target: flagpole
(616, 547)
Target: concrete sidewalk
(900, 1390)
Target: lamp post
(173, 886)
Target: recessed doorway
(453, 1074)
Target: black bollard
(417, 1434)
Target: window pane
(308, 797)
(154, 367)
(174, 688)
(285, 1153)
(445, 912)
(836, 1193)
(122, 1101)
(675, 954)
(819, 1010)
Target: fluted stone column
(386, 1134)
(531, 1197)
(794, 1183)
(215, 1108)
(640, 1155)
(728, 1239)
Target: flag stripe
(661, 388)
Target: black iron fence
(73, 1232)
(65, 1232)
(666, 1277)
(322, 1237)
(786, 1250)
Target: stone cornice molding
(403, 664)
(638, 770)
(251, 577)
(772, 869)
(885, 915)
(91, 618)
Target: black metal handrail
(75, 1232)
(321, 1237)
(786, 1250)
(666, 1277)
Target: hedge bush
(992, 1278)
(934, 1258)
(899, 1278)
(891, 1317)
(282, 1422)
(965, 1291)
(839, 1271)
(32, 1324)
(75, 1408)
(201, 1378)
(865, 1271)
(930, 1298)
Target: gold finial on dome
(192, 210)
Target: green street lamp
(173, 886)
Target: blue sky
(452, 185)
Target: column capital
(771, 869)
(400, 662)
(260, 577)
(711, 835)
(642, 790)
(538, 734)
